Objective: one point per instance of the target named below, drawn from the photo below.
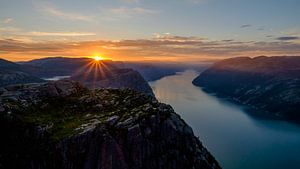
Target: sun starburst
(98, 58)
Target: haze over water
(236, 139)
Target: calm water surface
(236, 139)
(55, 78)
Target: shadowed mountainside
(93, 74)
(60, 66)
(12, 73)
(114, 78)
(271, 84)
(69, 66)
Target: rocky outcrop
(116, 78)
(64, 125)
(271, 84)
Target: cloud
(169, 37)
(197, 1)
(9, 29)
(287, 38)
(261, 29)
(64, 15)
(7, 20)
(34, 33)
(126, 11)
(131, 1)
(228, 40)
(246, 26)
(179, 48)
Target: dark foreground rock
(63, 125)
(271, 84)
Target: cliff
(270, 84)
(115, 78)
(64, 125)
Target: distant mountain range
(110, 74)
(12, 73)
(102, 74)
(61, 66)
(271, 84)
(113, 74)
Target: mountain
(9, 66)
(68, 66)
(114, 78)
(64, 125)
(271, 84)
(108, 75)
(11, 73)
(154, 71)
(60, 66)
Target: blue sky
(111, 21)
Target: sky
(162, 30)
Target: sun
(98, 58)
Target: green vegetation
(65, 116)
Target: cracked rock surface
(64, 125)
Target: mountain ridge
(94, 74)
(270, 84)
(12, 73)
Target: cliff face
(271, 84)
(63, 125)
(118, 79)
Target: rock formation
(115, 78)
(64, 125)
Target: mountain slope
(102, 74)
(63, 125)
(9, 66)
(44, 67)
(271, 84)
(117, 78)
(69, 66)
(11, 73)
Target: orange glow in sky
(97, 58)
(168, 49)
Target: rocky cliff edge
(63, 125)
